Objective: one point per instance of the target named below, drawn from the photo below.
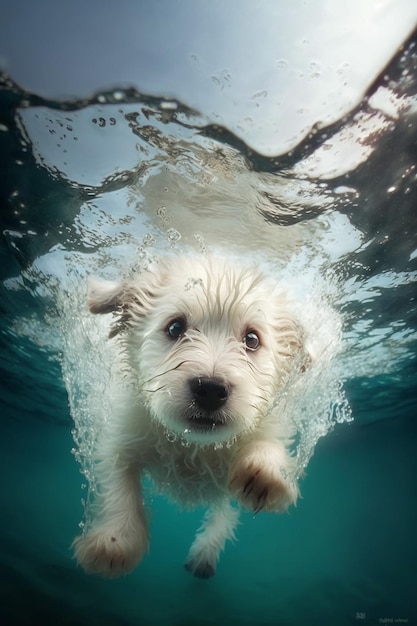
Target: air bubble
(193, 282)
(173, 234)
(184, 441)
(260, 94)
(281, 64)
(201, 243)
(284, 472)
(172, 437)
(148, 239)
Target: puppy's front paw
(259, 479)
(110, 553)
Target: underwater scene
(101, 187)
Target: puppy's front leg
(260, 477)
(119, 537)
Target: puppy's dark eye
(251, 341)
(176, 328)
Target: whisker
(154, 390)
(172, 369)
(255, 369)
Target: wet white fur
(246, 461)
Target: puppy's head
(211, 343)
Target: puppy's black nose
(209, 393)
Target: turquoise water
(342, 227)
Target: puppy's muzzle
(209, 394)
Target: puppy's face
(211, 343)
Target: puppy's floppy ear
(291, 341)
(129, 302)
(104, 296)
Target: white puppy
(205, 346)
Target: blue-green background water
(93, 183)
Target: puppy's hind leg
(218, 525)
